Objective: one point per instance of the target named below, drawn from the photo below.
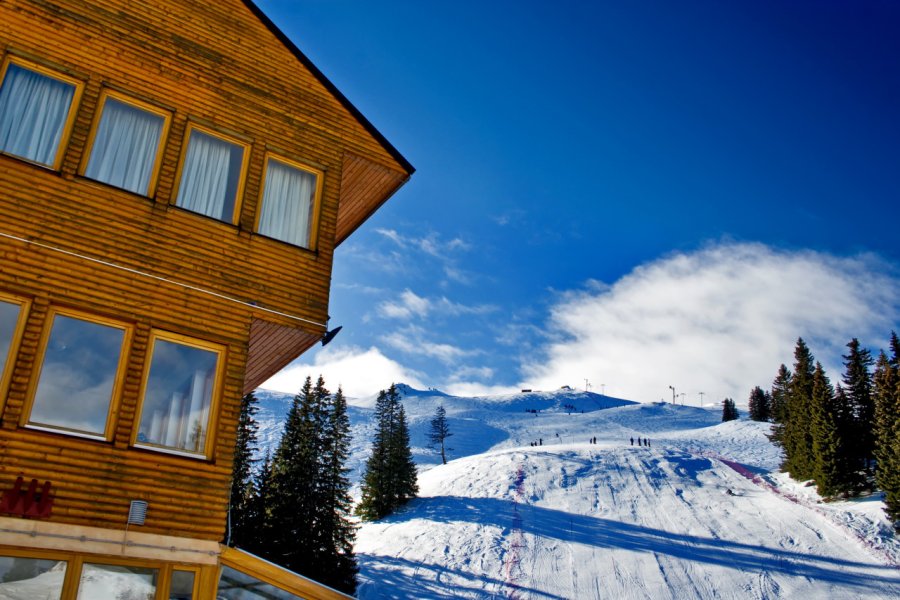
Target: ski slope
(702, 513)
(575, 520)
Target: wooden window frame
(18, 331)
(75, 565)
(212, 422)
(317, 199)
(115, 394)
(242, 177)
(166, 115)
(70, 117)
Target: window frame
(118, 384)
(166, 115)
(14, 342)
(70, 117)
(317, 198)
(242, 177)
(218, 380)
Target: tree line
(845, 437)
(295, 508)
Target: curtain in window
(209, 176)
(125, 147)
(33, 111)
(287, 203)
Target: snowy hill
(702, 513)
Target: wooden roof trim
(304, 60)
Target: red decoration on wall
(31, 503)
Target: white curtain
(125, 147)
(207, 183)
(287, 203)
(33, 111)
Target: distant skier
(632, 441)
(540, 441)
(648, 442)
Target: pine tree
(780, 387)
(830, 465)
(729, 410)
(887, 429)
(858, 423)
(390, 477)
(759, 405)
(242, 485)
(339, 531)
(294, 494)
(440, 431)
(796, 436)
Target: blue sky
(627, 193)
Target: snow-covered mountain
(701, 513)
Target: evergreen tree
(440, 431)
(759, 405)
(830, 465)
(729, 410)
(259, 527)
(779, 393)
(242, 487)
(796, 437)
(339, 531)
(390, 477)
(858, 421)
(887, 429)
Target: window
(117, 581)
(180, 384)
(36, 112)
(182, 585)
(12, 320)
(211, 176)
(235, 585)
(80, 373)
(126, 144)
(24, 577)
(289, 203)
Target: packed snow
(531, 507)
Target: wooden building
(174, 179)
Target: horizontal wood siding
(67, 241)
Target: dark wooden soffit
(365, 186)
(405, 164)
(272, 348)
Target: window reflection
(9, 318)
(182, 586)
(177, 396)
(31, 578)
(78, 375)
(234, 585)
(115, 581)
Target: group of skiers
(641, 442)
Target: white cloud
(360, 372)
(413, 340)
(411, 305)
(719, 320)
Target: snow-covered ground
(702, 513)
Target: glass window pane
(210, 176)
(175, 411)
(9, 318)
(33, 113)
(182, 587)
(31, 578)
(288, 202)
(125, 146)
(117, 582)
(78, 374)
(234, 585)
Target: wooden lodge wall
(138, 259)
